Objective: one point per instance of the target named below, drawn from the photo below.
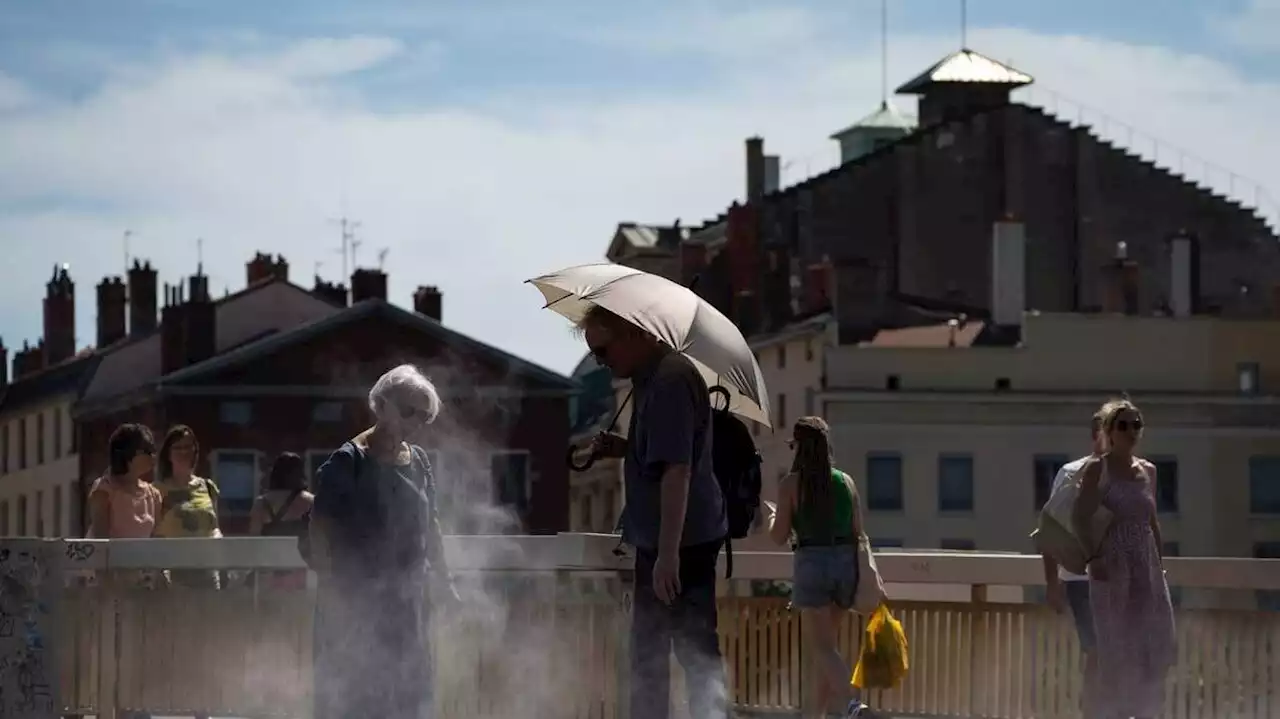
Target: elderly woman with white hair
(375, 543)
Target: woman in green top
(189, 504)
(819, 505)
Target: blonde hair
(1112, 410)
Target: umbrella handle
(569, 460)
(721, 390)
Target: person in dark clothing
(674, 517)
(284, 510)
(375, 542)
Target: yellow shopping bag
(882, 663)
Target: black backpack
(736, 462)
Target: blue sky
(483, 143)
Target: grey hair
(405, 380)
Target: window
(4, 519)
(884, 482)
(22, 515)
(509, 473)
(782, 410)
(326, 412)
(40, 419)
(782, 356)
(1268, 600)
(958, 544)
(40, 514)
(57, 511)
(1166, 484)
(22, 443)
(1044, 468)
(235, 412)
(1247, 374)
(955, 483)
(57, 434)
(236, 473)
(1264, 485)
(810, 395)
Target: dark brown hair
(812, 466)
(288, 473)
(126, 443)
(176, 433)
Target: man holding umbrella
(668, 342)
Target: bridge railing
(545, 634)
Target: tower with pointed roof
(963, 84)
(882, 127)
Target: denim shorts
(824, 576)
(1078, 597)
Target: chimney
(200, 331)
(4, 365)
(427, 301)
(1008, 272)
(772, 174)
(1184, 274)
(746, 313)
(188, 330)
(331, 292)
(817, 287)
(28, 361)
(755, 169)
(263, 267)
(59, 317)
(693, 260)
(142, 299)
(367, 284)
(112, 299)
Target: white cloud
(254, 152)
(13, 94)
(1255, 27)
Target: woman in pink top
(121, 504)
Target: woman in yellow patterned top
(189, 504)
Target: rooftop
(966, 66)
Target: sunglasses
(1124, 425)
(412, 413)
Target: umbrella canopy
(673, 314)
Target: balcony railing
(546, 634)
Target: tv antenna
(127, 235)
(199, 255)
(884, 53)
(382, 257)
(964, 24)
(349, 242)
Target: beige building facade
(39, 470)
(954, 446)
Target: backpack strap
(274, 515)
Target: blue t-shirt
(671, 424)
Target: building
(955, 432)
(898, 234)
(39, 466)
(595, 494)
(276, 368)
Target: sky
(483, 143)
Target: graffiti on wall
(27, 591)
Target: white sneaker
(857, 709)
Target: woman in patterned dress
(189, 504)
(1133, 616)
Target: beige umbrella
(673, 314)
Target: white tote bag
(1055, 537)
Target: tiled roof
(966, 66)
(264, 308)
(943, 335)
(302, 331)
(64, 378)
